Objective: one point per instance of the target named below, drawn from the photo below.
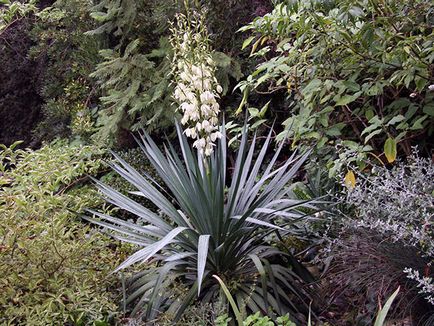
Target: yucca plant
(211, 223)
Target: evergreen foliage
(135, 71)
(355, 74)
(203, 230)
(70, 99)
(55, 270)
(220, 241)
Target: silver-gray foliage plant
(399, 203)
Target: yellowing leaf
(390, 149)
(288, 86)
(264, 39)
(256, 44)
(350, 179)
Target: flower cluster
(196, 89)
(425, 284)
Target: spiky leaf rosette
(206, 228)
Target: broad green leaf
(372, 134)
(334, 131)
(352, 86)
(253, 112)
(390, 149)
(312, 86)
(346, 99)
(375, 123)
(258, 123)
(429, 109)
(395, 119)
(420, 83)
(411, 111)
(374, 90)
(417, 125)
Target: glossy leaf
(390, 149)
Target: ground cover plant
(55, 270)
(391, 229)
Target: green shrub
(12, 10)
(355, 74)
(55, 270)
(70, 56)
(135, 73)
(256, 320)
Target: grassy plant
(365, 268)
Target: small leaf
(390, 149)
(247, 42)
(372, 134)
(264, 109)
(417, 125)
(350, 179)
(346, 99)
(429, 109)
(255, 45)
(356, 11)
(369, 114)
(396, 119)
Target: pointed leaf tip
(390, 149)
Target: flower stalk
(197, 89)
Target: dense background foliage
(100, 69)
(352, 81)
(355, 74)
(54, 269)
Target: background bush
(20, 101)
(353, 73)
(55, 270)
(69, 96)
(388, 242)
